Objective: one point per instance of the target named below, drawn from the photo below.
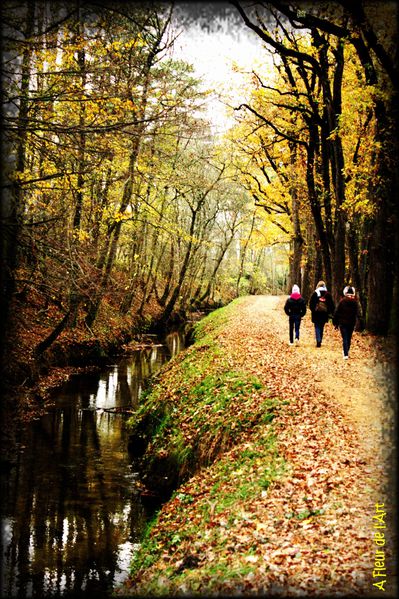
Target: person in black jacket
(322, 306)
(345, 316)
(295, 308)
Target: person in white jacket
(322, 306)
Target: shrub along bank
(204, 430)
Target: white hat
(349, 290)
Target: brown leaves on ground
(311, 531)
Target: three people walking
(295, 308)
(322, 307)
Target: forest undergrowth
(32, 377)
(283, 454)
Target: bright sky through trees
(222, 57)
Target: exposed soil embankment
(284, 453)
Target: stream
(72, 511)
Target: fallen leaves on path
(311, 531)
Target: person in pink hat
(295, 308)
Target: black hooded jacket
(295, 305)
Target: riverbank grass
(192, 545)
(199, 405)
(214, 421)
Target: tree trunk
(295, 276)
(381, 278)
(195, 297)
(127, 193)
(243, 255)
(219, 262)
(55, 333)
(322, 241)
(175, 294)
(338, 270)
(169, 276)
(383, 243)
(75, 297)
(355, 278)
(13, 161)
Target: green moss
(201, 407)
(198, 405)
(237, 480)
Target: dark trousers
(346, 333)
(319, 330)
(294, 322)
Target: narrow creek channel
(72, 511)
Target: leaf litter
(229, 530)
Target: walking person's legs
(291, 328)
(318, 328)
(297, 323)
(350, 332)
(317, 333)
(345, 343)
(346, 333)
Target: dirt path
(336, 434)
(362, 386)
(311, 533)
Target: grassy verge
(213, 422)
(199, 406)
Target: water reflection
(72, 510)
